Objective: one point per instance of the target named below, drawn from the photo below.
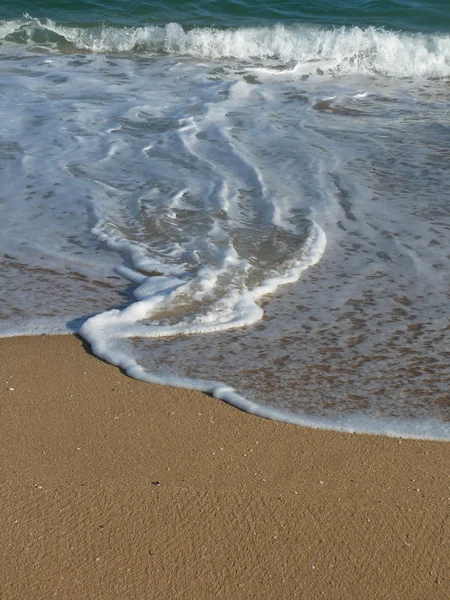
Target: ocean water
(248, 199)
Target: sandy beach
(114, 488)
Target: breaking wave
(344, 49)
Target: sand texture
(116, 489)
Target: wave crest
(369, 50)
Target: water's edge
(402, 429)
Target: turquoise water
(247, 199)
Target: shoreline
(393, 427)
(113, 487)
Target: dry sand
(116, 489)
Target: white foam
(234, 309)
(425, 429)
(341, 50)
(9, 27)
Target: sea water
(248, 199)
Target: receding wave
(344, 49)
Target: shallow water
(263, 207)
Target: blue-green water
(409, 15)
(246, 198)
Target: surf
(339, 51)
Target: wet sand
(114, 488)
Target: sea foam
(342, 50)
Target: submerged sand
(114, 488)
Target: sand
(114, 488)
